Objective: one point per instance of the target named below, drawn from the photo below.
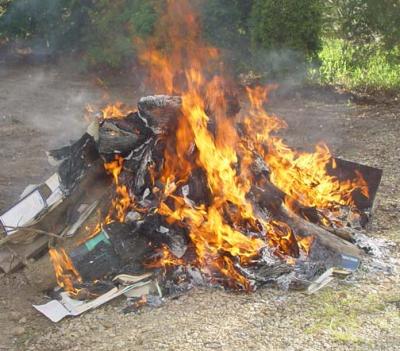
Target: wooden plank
(14, 256)
(91, 188)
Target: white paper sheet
(56, 310)
(53, 182)
(24, 212)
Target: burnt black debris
(160, 111)
(122, 135)
(74, 161)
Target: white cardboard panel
(24, 212)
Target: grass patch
(367, 68)
(343, 315)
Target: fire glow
(227, 231)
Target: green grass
(342, 314)
(367, 68)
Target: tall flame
(124, 201)
(189, 67)
(301, 175)
(226, 231)
(66, 273)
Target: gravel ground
(361, 314)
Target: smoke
(47, 100)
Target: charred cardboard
(33, 205)
(91, 188)
(81, 215)
(348, 170)
(74, 160)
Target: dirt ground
(42, 107)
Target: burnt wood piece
(277, 197)
(196, 189)
(160, 110)
(261, 175)
(266, 199)
(118, 135)
(343, 170)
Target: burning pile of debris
(184, 210)
(203, 192)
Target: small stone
(106, 324)
(22, 320)
(18, 331)
(15, 316)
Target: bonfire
(202, 189)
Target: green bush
(280, 39)
(285, 36)
(287, 24)
(225, 22)
(103, 30)
(225, 25)
(367, 67)
(55, 24)
(364, 21)
(113, 25)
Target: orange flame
(66, 273)
(227, 231)
(116, 110)
(166, 259)
(182, 69)
(305, 243)
(124, 200)
(121, 204)
(301, 175)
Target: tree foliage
(53, 23)
(225, 22)
(113, 25)
(267, 35)
(293, 24)
(364, 21)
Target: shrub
(285, 36)
(225, 22)
(102, 29)
(287, 24)
(55, 24)
(225, 25)
(368, 67)
(113, 25)
(364, 21)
